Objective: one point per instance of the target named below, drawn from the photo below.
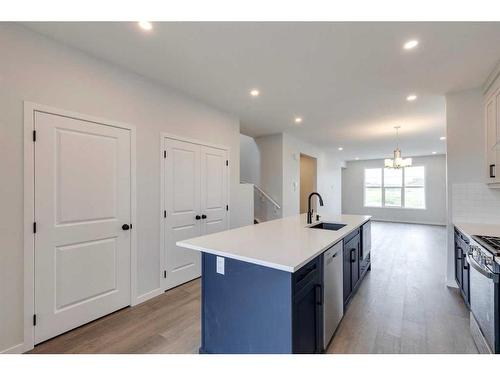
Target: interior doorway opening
(308, 180)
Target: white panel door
(82, 199)
(183, 217)
(213, 189)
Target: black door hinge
(130, 225)
(34, 227)
(165, 213)
(227, 162)
(34, 135)
(165, 154)
(164, 274)
(34, 319)
(227, 207)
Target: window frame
(403, 188)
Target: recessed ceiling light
(442, 138)
(357, 158)
(340, 148)
(145, 25)
(410, 44)
(298, 120)
(411, 97)
(254, 92)
(434, 152)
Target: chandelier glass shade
(397, 162)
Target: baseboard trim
(16, 349)
(147, 296)
(410, 222)
(451, 284)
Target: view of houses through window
(388, 187)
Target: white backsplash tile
(475, 203)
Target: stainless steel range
(485, 292)
(492, 244)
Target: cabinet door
(355, 265)
(347, 273)
(458, 262)
(353, 248)
(306, 319)
(465, 278)
(492, 135)
(496, 147)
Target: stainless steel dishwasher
(333, 298)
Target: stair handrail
(258, 188)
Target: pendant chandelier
(397, 162)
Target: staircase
(265, 207)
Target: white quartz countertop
(479, 229)
(284, 244)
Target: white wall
(435, 172)
(36, 69)
(469, 198)
(271, 165)
(279, 171)
(329, 176)
(249, 160)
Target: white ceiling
(349, 81)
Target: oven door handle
(481, 270)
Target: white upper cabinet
(492, 125)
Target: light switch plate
(220, 265)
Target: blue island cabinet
(249, 308)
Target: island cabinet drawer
(310, 273)
(350, 236)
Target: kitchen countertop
(284, 244)
(479, 229)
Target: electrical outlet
(220, 265)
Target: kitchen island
(262, 285)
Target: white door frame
(29, 208)
(163, 207)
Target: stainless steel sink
(328, 226)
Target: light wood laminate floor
(402, 306)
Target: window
(393, 186)
(373, 187)
(415, 187)
(390, 187)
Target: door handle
(197, 217)
(492, 171)
(203, 216)
(125, 227)
(353, 259)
